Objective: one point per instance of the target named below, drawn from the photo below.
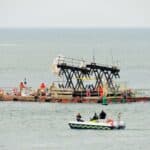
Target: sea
(29, 53)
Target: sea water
(44, 126)
(29, 53)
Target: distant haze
(75, 13)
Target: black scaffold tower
(103, 73)
(71, 69)
(75, 70)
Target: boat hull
(95, 125)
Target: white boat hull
(96, 125)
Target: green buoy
(104, 100)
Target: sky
(75, 13)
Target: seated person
(78, 118)
(95, 117)
(102, 115)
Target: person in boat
(102, 115)
(95, 117)
(78, 118)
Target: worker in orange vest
(43, 89)
(21, 86)
(101, 91)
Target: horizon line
(69, 27)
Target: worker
(78, 117)
(95, 117)
(102, 115)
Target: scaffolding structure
(76, 70)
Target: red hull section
(108, 100)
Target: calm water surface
(30, 52)
(45, 126)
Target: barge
(82, 82)
(106, 101)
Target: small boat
(108, 124)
